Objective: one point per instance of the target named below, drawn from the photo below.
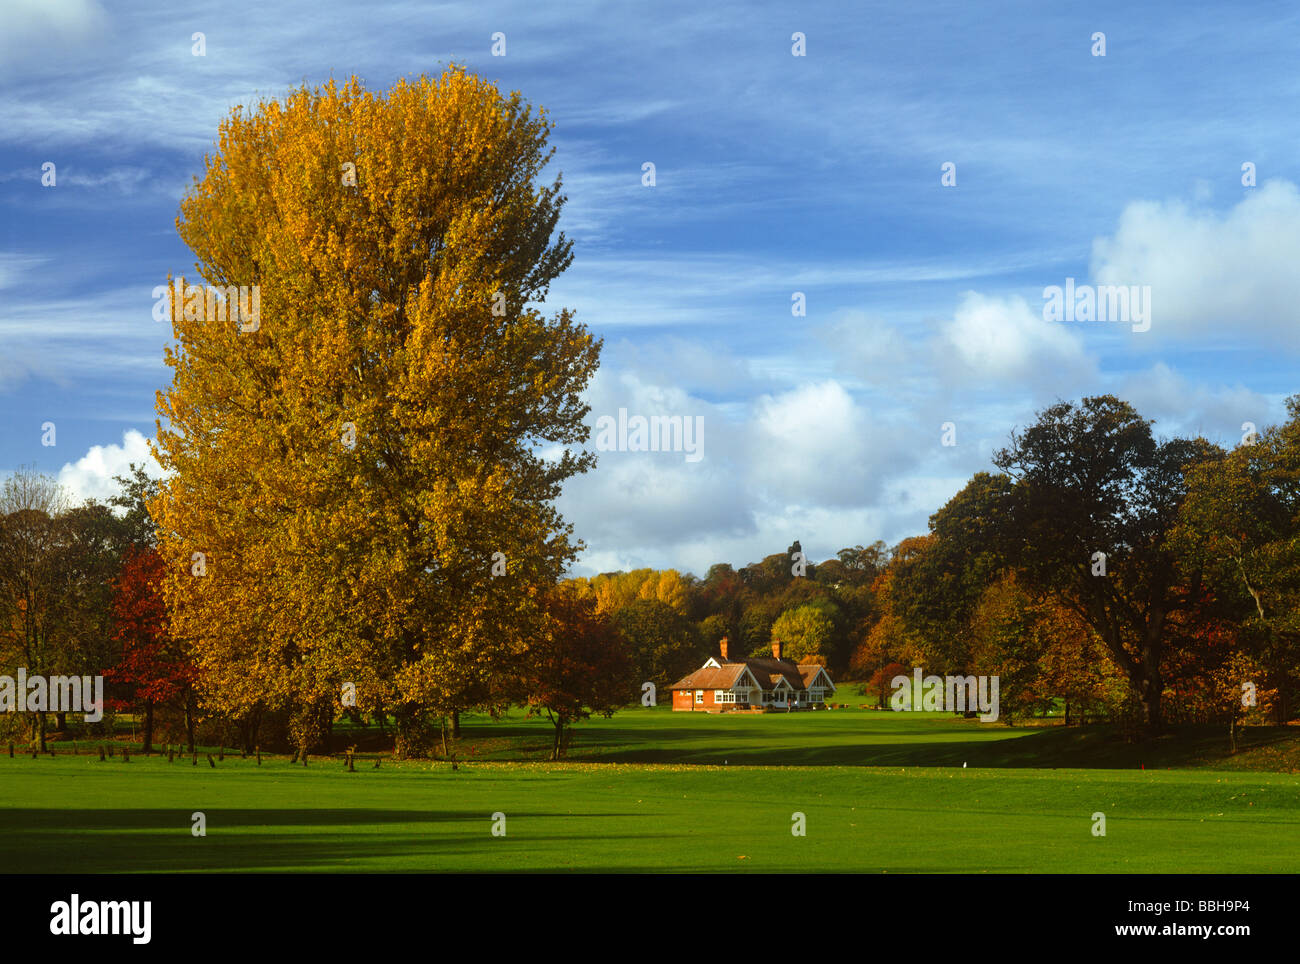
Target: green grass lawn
(857, 737)
(882, 792)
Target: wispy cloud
(774, 174)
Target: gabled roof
(765, 671)
(772, 670)
(810, 672)
(711, 678)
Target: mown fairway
(854, 737)
(77, 814)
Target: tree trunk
(415, 737)
(40, 730)
(61, 722)
(250, 726)
(455, 724)
(148, 726)
(1155, 684)
(189, 723)
(559, 734)
(1149, 691)
(1144, 676)
(1067, 712)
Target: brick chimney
(776, 649)
(722, 648)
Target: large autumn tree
(1092, 479)
(366, 463)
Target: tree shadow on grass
(130, 841)
(1096, 747)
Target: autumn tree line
(1122, 577)
(79, 597)
(356, 516)
(1125, 578)
(1149, 580)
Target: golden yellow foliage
(350, 460)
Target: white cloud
(91, 476)
(1006, 338)
(813, 462)
(818, 445)
(1232, 274)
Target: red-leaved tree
(580, 666)
(152, 668)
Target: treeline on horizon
(357, 513)
(1136, 580)
(1140, 581)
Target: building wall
(685, 700)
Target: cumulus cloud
(635, 502)
(817, 444)
(1233, 274)
(1007, 339)
(836, 444)
(811, 462)
(91, 476)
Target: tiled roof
(767, 671)
(711, 678)
(809, 672)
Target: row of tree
(1140, 580)
(357, 514)
(1137, 579)
(1175, 559)
(81, 594)
(78, 596)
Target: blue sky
(774, 174)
